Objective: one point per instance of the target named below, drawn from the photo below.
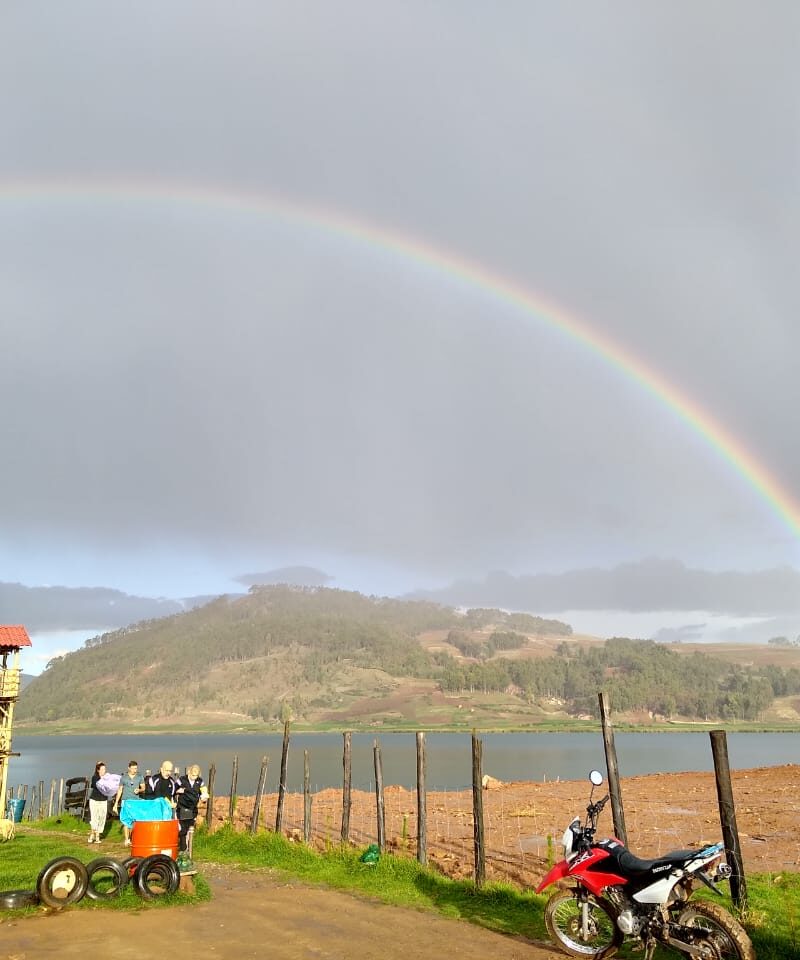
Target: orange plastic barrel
(154, 836)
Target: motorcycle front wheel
(582, 925)
(723, 938)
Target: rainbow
(216, 198)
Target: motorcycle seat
(631, 864)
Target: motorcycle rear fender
(558, 872)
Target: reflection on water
(506, 756)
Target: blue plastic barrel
(15, 808)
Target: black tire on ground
(17, 899)
(728, 936)
(100, 868)
(156, 876)
(62, 882)
(564, 919)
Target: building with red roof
(12, 638)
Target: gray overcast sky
(189, 393)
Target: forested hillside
(330, 657)
(639, 675)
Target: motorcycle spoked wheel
(563, 917)
(725, 938)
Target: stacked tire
(65, 881)
(156, 876)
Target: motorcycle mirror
(596, 777)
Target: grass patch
(772, 917)
(22, 859)
(396, 880)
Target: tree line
(640, 675)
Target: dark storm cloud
(650, 584)
(202, 381)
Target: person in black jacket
(191, 790)
(163, 784)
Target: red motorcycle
(613, 896)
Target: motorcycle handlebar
(594, 809)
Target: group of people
(182, 793)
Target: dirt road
(253, 914)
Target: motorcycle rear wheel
(727, 939)
(563, 917)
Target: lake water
(506, 756)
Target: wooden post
(41, 801)
(212, 776)
(477, 809)
(234, 779)
(262, 779)
(60, 809)
(282, 783)
(52, 798)
(347, 766)
(727, 817)
(381, 809)
(613, 772)
(32, 805)
(306, 799)
(422, 802)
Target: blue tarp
(133, 810)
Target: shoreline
(689, 726)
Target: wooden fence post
(60, 806)
(41, 801)
(347, 766)
(477, 809)
(381, 809)
(52, 798)
(613, 772)
(306, 799)
(234, 779)
(422, 802)
(282, 782)
(212, 776)
(727, 817)
(262, 779)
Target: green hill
(331, 658)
